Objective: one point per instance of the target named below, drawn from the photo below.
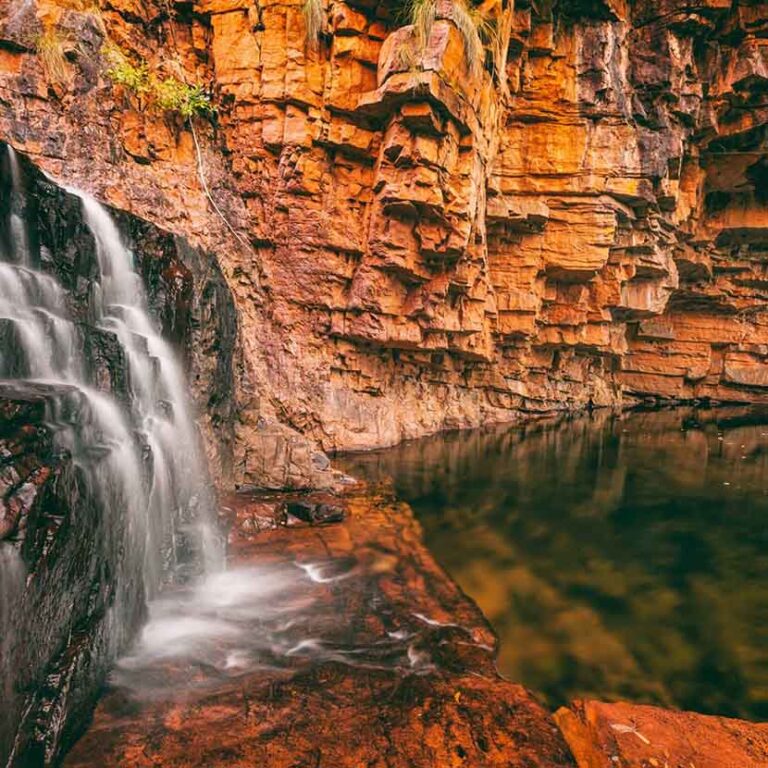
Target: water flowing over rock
(104, 492)
(373, 238)
(181, 489)
(340, 645)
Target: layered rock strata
(412, 242)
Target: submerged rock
(315, 512)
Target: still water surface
(615, 556)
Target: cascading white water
(161, 409)
(34, 303)
(19, 245)
(137, 467)
(171, 510)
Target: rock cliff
(412, 242)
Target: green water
(617, 557)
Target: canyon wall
(414, 243)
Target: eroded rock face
(418, 245)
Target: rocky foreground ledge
(626, 735)
(425, 691)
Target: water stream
(141, 454)
(181, 491)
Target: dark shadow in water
(616, 556)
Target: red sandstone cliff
(417, 248)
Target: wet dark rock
(315, 513)
(11, 363)
(26, 457)
(66, 548)
(106, 358)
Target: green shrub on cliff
(188, 100)
(168, 94)
(122, 71)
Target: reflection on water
(616, 556)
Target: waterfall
(161, 409)
(179, 502)
(141, 457)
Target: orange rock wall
(418, 246)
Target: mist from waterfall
(141, 457)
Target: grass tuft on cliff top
(421, 14)
(478, 26)
(470, 24)
(51, 49)
(314, 19)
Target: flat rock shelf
(346, 646)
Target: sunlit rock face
(420, 245)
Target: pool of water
(616, 556)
